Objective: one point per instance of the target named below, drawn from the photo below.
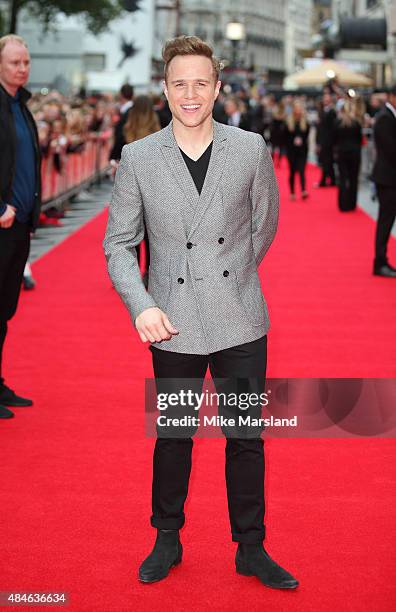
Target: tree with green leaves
(96, 13)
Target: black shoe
(383, 270)
(9, 398)
(253, 560)
(167, 553)
(5, 413)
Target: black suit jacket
(348, 138)
(245, 122)
(119, 139)
(384, 172)
(324, 133)
(296, 150)
(8, 150)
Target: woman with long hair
(141, 122)
(348, 147)
(297, 146)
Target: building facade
(261, 50)
(321, 11)
(69, 57)
(298, 33)
(382, 63)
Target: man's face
(392, 100)
(191, 89)
(14, 65)
(51, 112)
(230, 107)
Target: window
(94, 61)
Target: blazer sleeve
(265, 202)
(125, 230)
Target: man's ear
(217, 88)
(165, 88)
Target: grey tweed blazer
(204, 249)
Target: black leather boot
(167, 553)
(253, 560)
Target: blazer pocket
(250, 293)
(159, 284)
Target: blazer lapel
(176, 163)
(197, 204)
(213, 175)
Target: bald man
(19, 190)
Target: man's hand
(114, 166)
(7, 218)
(153, 326)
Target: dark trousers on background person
(348, 167)
(297, 164)
(386, 218)
(14, 251)
(327, 163)
(245, 464)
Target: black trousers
(297, 164)
(386, 218)
(348, 166)
(14, 251)
(242, 366)
(327, 163)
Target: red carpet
(329, 315)
(76, 468)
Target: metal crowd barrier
(77, 170)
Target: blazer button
(189, 245)
(180, 281)
(226, 273)
(221, 240)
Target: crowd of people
(66, 123)
(331, 128)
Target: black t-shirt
(199, 167)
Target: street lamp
(235, 32)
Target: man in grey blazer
(209, 198)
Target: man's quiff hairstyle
(11, 38)
(189, 45)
